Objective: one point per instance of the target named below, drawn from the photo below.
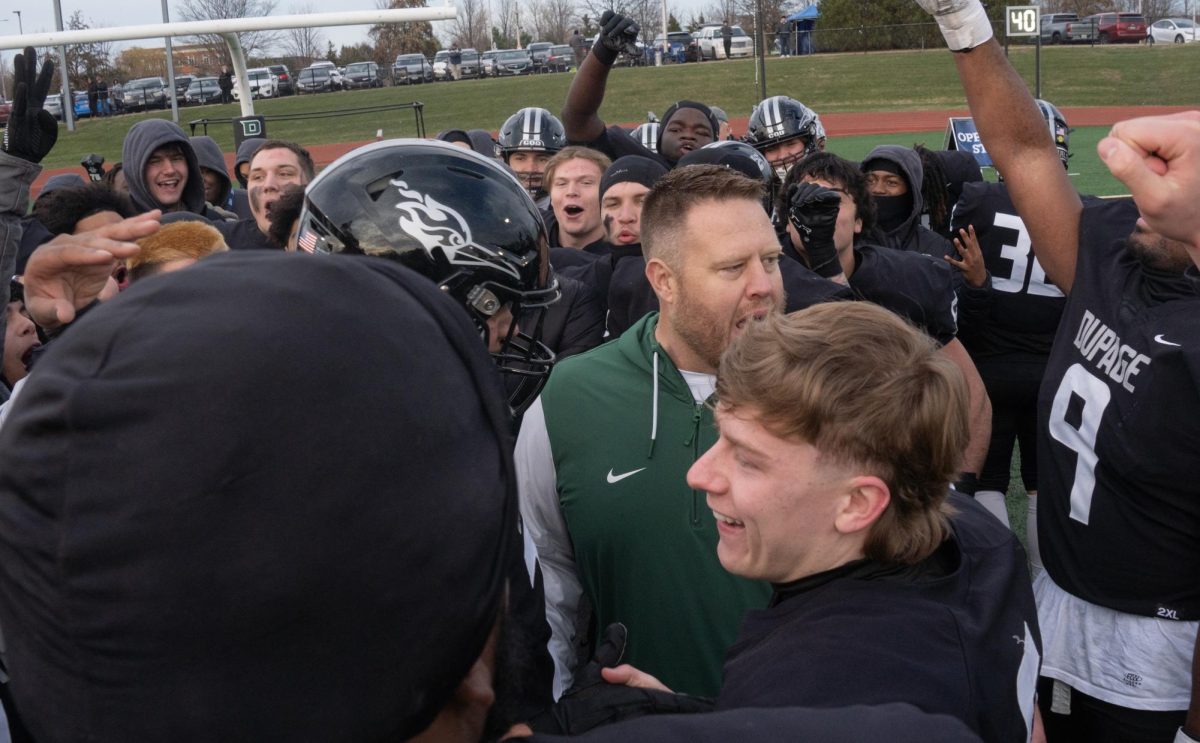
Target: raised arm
(29, 136)
(580, 114)
(1015, 135)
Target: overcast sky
(39, 16)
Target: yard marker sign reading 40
(1022, 20)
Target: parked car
(487, 63)
(712, 43)
(363, 75)
(416, 69)
(202, 90)
(53, 104)
(470, 63)
(144, 93)
(5, 111)
(181, 85)
(677, 44)
(441, 65)
(561, 58)
(1055, 27)
(538, 51)
(339, 82)
(283, 79)
(82, 108)
(1171, 31)
(1112, 28)
(262, 84)
(511, 62)
(315, 80)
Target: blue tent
(804, 21)
(807, 14)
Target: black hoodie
(911, 234)
(142, 140)
(287, 536)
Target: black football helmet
(532, 130)
(763, 168)
(780, 119)
(456, 217)
(1059, 131)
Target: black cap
(633, 168)
(674, 109)
(236, 505)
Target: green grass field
(1087, 171)
(916, 80)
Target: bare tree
(593, 9)
(85, 61)
(254, 43)
(303, 44)
(505, 18)
(720, 11)
(552, 20)
(470, 28)
(1156, 10)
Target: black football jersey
(1024, 307)
(913, 285)
(1119, 434)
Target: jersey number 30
(1095, 394)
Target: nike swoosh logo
(1159, 339)
(617, 478)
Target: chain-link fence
(870, 38)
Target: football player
(827, 206)
(457, 218)
(685, 126)
(1010, 332)
(1118, 430)
(785, 131)
(528, 139)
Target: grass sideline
(910, 80)
(1087, 171)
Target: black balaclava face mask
(891, 211)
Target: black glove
(618, 33)
(813, 211)
(591, 701)
(31, 131)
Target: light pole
(20, 26)
(3, 93)
(68, 103)
(170, 68)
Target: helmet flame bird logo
(436, 225)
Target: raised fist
(618, 33)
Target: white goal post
(228, 30)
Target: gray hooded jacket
(911, 234)
(209, 155)
(142, 140)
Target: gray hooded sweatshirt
(209, 155)
(911, 234)
(142, 140)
